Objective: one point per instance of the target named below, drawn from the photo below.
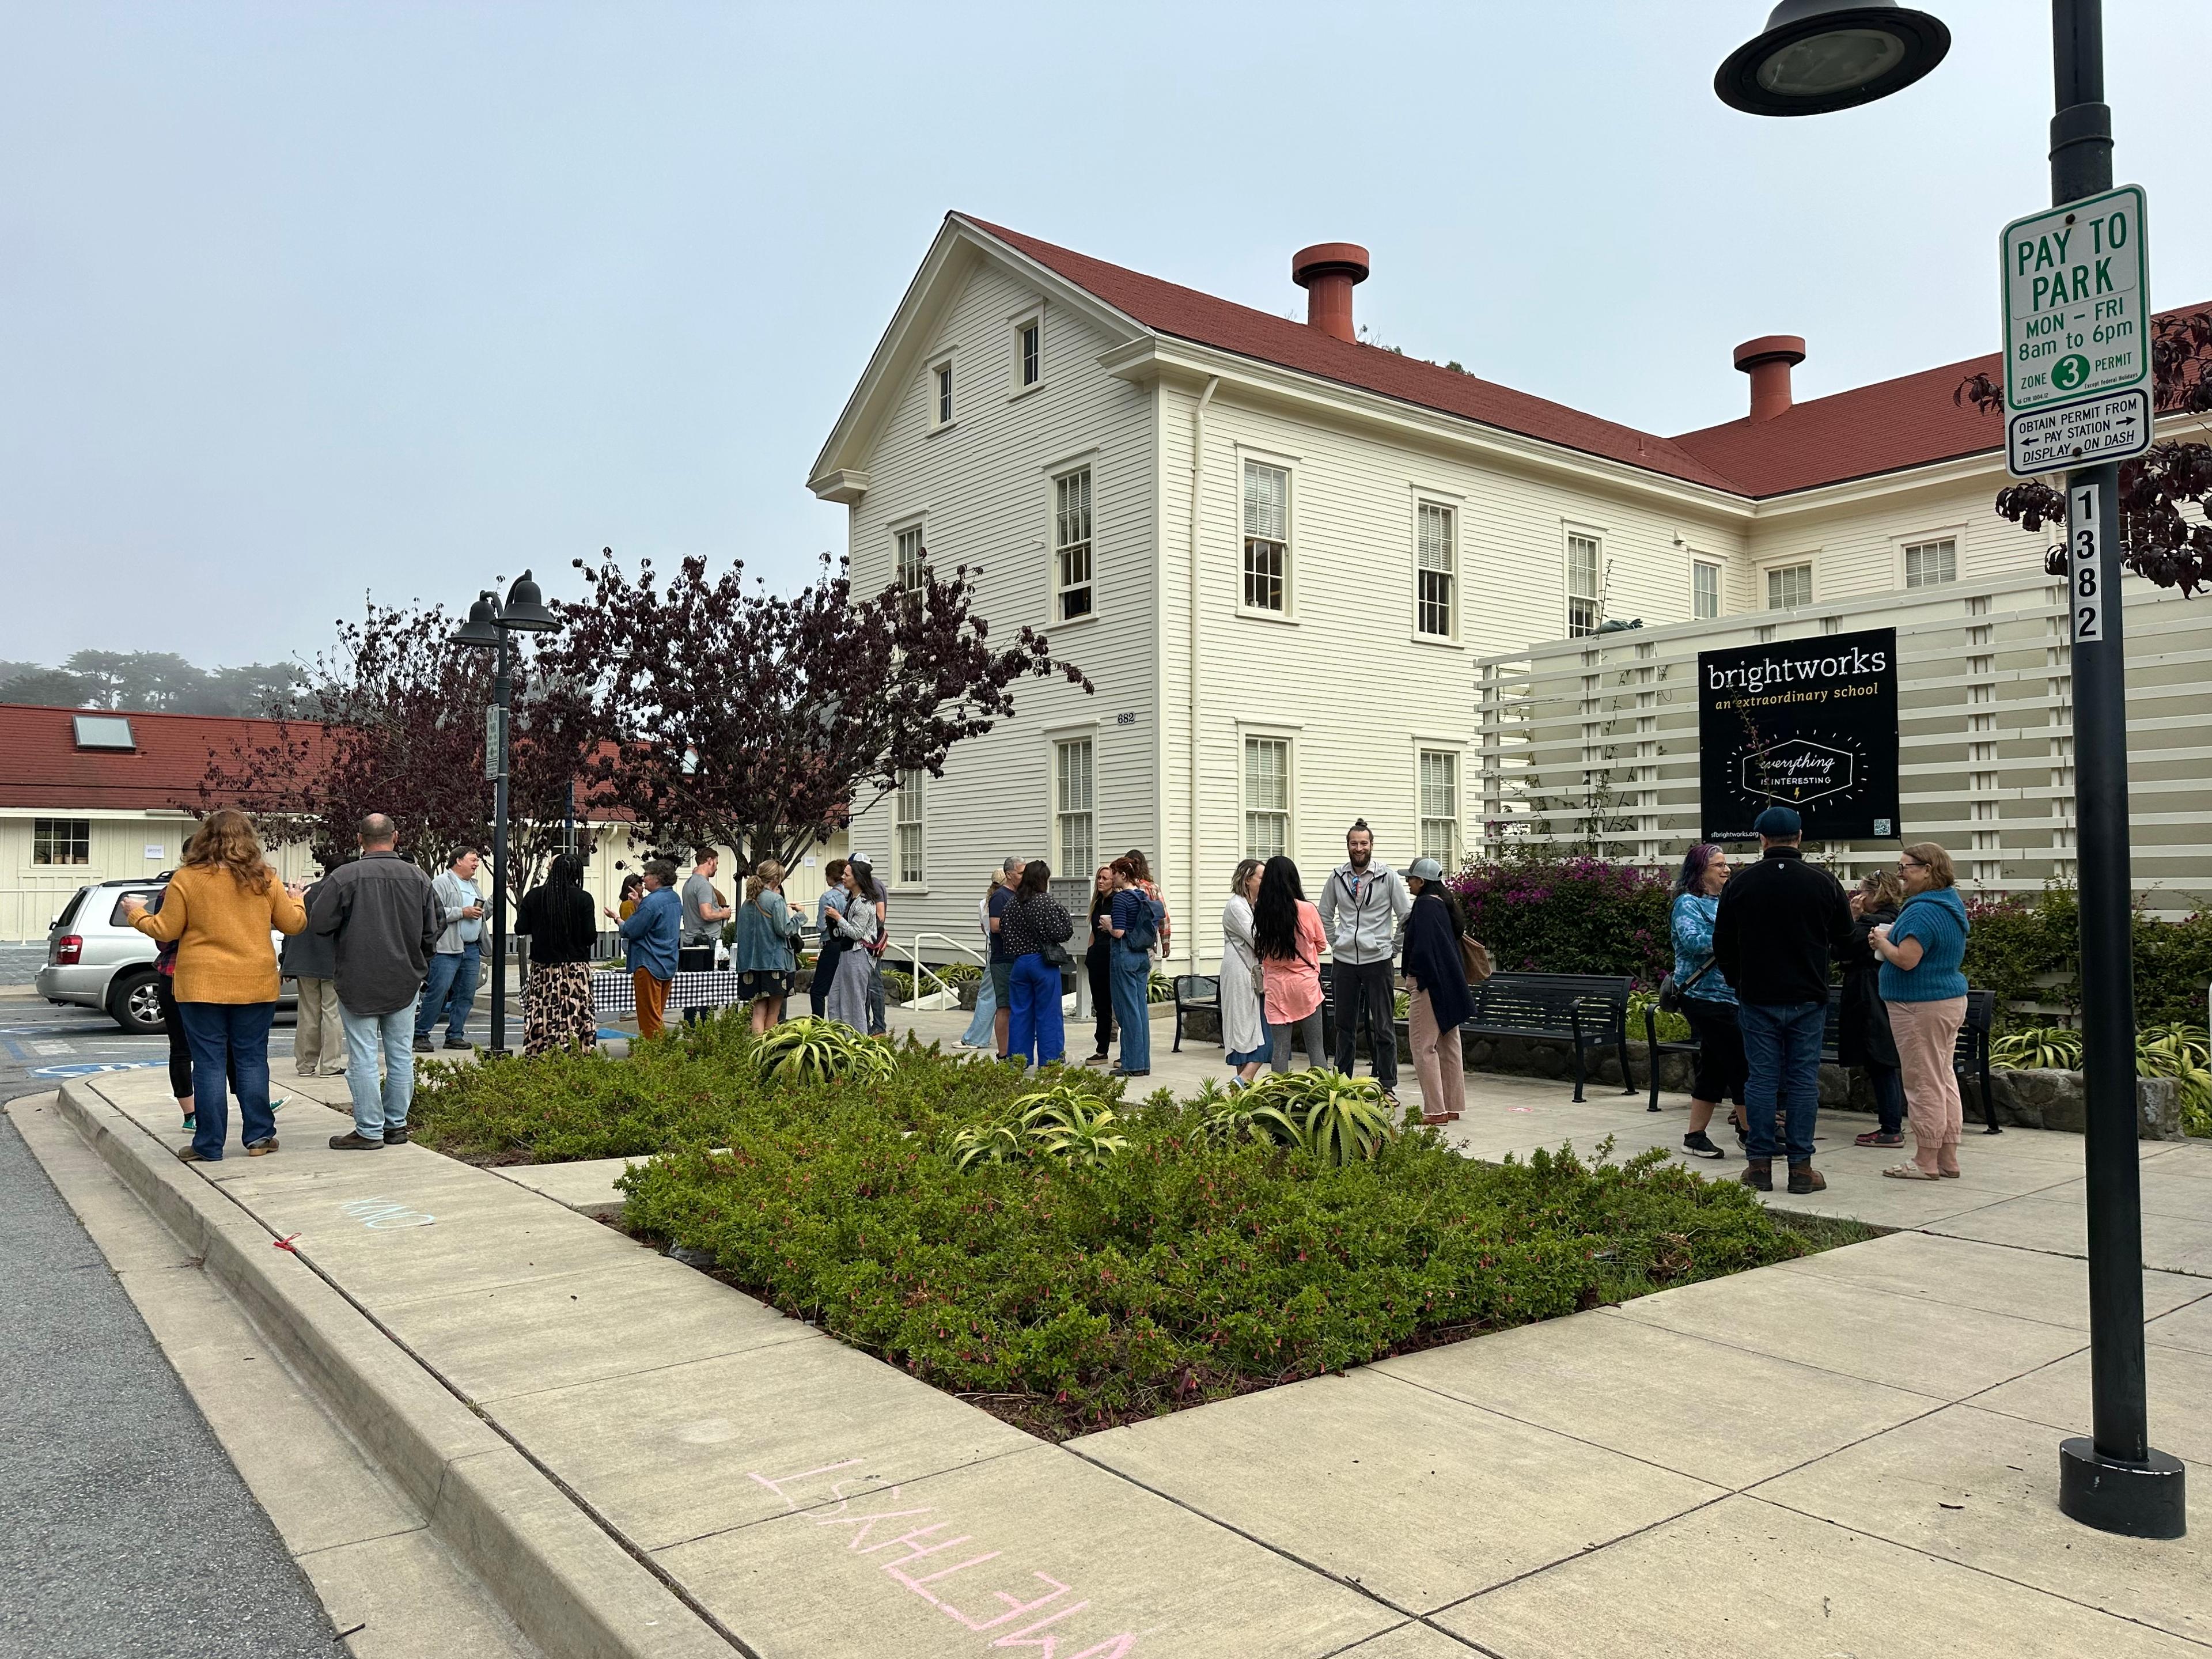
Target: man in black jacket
(1779, 921)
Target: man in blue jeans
(1780, 922)
(384, 917)
(451, 988)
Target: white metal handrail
(916, 968)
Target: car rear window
(116, 918)
(70, 910)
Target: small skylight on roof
(103, 731)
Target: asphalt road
(123, 1529)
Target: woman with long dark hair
(1287, 938)
(556, 998)
(1134, 923)
(1033, 923)
(1708, 1001)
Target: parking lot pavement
(41, 1044)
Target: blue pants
(228, 1038)
(375, 1108)
(980, 1028)
(1782, 1055)
(1033, 1030)
(1133, 974)
(1889, 1084)
(451, 990)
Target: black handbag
(1673, 994)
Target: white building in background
(1283, 557)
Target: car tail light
(68, 949)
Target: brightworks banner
(1805, 723)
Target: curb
(569, 1586)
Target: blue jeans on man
(378, 1110)
(1782, 1058)
(228, 1038)
(450, 990)
(1133, 976)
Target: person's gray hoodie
(1361, 911)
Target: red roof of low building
(1912, 421)
(42, 764)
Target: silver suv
(96, 959)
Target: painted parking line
(88, 1068)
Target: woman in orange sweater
(219, 908)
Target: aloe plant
(2042, 1047)
(820, 1051)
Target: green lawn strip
(1067, 1298)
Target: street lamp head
(525, 610)
(482, 629)
(1816, 56)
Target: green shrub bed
(1186, 1267)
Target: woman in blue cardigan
(1925, 990)
(1708, 1002)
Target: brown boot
(1758, 1175)
(1804, 1178)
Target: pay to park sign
(2077, 372)
(1805, 723)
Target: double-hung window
(1930, 564)
(907, 818)
(1439, 791)
(1789, 585)
(61, 841)
(1070, 545)
(1267, 537)
(912, 570)
(1585, 585)
(1266, 797)
(940, 384)
(1074, 829)
(1028, 352)
(1435, 571)
(1705, 589)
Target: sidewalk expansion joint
(354, 1543)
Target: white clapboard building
(1291, 561)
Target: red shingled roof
(1911, 421)
(40, 764)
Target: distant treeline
(159, 680)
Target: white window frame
(942, 389)
(1425, 502)
(1569, 535)
(1454, 752)
(1908, 545)
(1699, 563)
(1055, 481)
(1017, 326)
(1057, 812)
(1773, 568)
(1287, 466)
(60, 832)
(1247, 735)
(917, 527)
(910, 809)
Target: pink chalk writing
(918, 1569)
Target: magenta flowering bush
(1572, 915)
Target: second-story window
(1930, 564)
(1585, 585)
(1705, 589)
(1267, 536)
(912, 568)
(1435, 570)
(1028, 346)
(1789, 585)
(1070, 545)
(943, 382)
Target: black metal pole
(502, 694)
(2112, 1480)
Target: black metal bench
(1195, 991)
(1970, 1055)
(1581, 1010)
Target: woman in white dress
(1243, 1005)
(848, 1001)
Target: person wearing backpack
(1135, 925)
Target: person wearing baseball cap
(1780, 922)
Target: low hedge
(1064, 1298)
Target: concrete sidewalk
(1854, 1454)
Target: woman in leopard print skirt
(556, 998)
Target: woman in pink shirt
(1287, 938)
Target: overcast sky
(300, 300)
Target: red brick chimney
(1327, 271)
(1768, 361)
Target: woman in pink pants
(1922, 983)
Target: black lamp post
(489, 628)
(1819, 55)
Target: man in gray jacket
(456, 964)
(310, 962)
(385, 920)
(1363, 905)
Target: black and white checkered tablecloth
(614, 996)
